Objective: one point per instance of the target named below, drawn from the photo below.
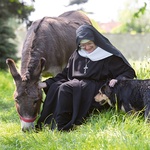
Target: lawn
(107, 130)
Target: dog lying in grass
(127, 95)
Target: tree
(11, 9)
(141, 10)
(134, 19)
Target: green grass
(107, 130)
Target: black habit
(70, 94)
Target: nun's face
(89, 46)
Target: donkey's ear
(43, 61)
(39, 68)
(13, 70)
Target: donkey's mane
(34, 53)
(36, 29)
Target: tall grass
(142, 68)
(106, 130)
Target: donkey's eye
(16, 100)
(35, 101)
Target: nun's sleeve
(62, 76)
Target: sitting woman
(70, 94)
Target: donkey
(47, 47)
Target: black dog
(128, 95)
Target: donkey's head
(27, 95)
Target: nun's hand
(42, 85)
(112, 82)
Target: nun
(70, 94)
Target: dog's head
(104, 94)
